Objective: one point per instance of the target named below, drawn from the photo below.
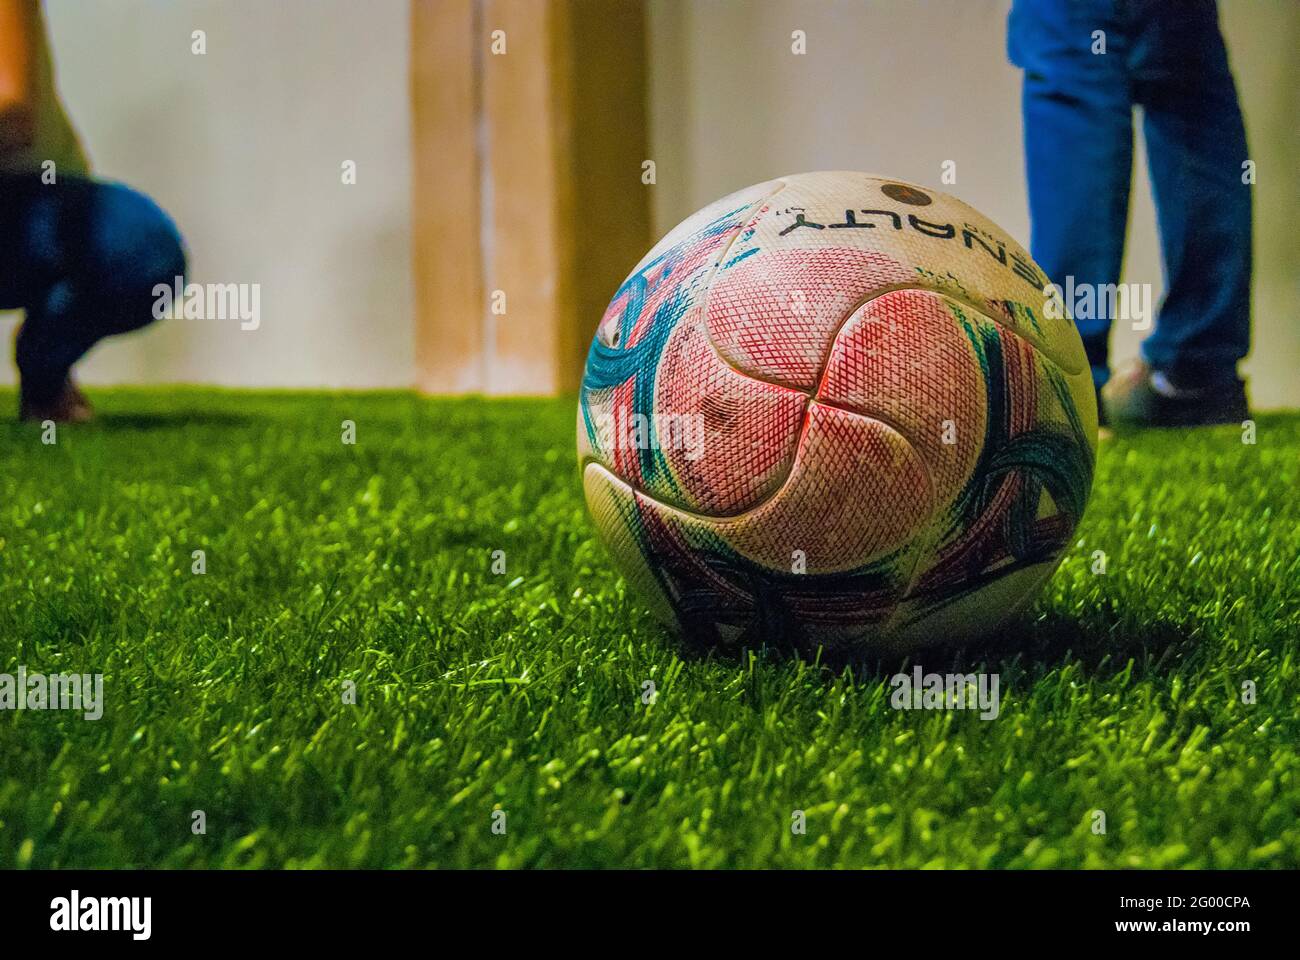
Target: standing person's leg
(1196, 142)
(1078, 148)
(81, 258)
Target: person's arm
(18, 25)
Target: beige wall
(244, 146)
(898, 87)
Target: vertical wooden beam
(551, 135)
(608, 112)
(523, 118)
(445, 196)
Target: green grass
(371, 563)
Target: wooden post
(445, 196)
(544, 107)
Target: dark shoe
(66, 404)
(1142, 397)
(45, 393)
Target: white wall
(898, 86)
(243, 146)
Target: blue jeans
(1169, 58)
(81, 258)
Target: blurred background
(523, 172)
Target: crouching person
(79, 256)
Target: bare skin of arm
(18, 25)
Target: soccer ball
(836, 411)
